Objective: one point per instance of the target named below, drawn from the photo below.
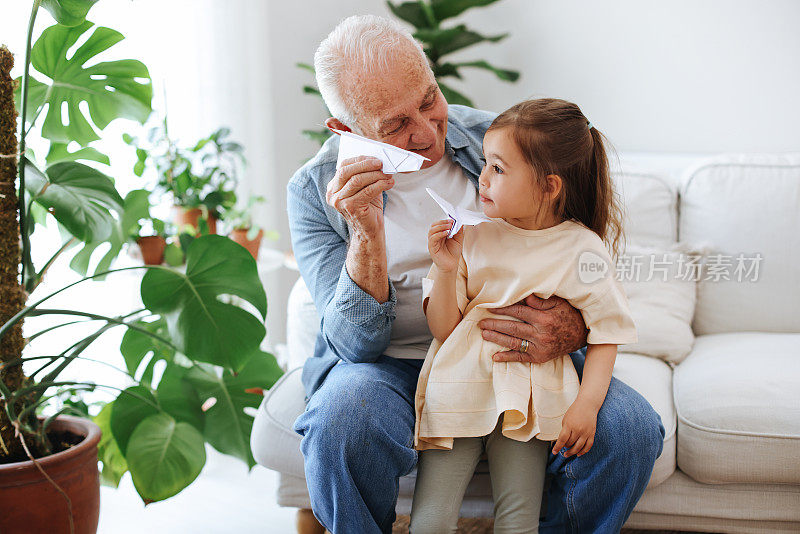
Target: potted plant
(242, 228)
(209, 345)
(201, 178)
(139, 226)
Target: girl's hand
(577, 429)
(445, 252)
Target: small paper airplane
(459, 215)
(394, 159)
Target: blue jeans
(358, 433)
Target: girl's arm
(441, 309)
(580, 422)
(597, 375)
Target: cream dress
(461, 392)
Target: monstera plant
(191, 353)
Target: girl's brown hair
(556, 138)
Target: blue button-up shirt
(353, 325)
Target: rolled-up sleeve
(356, 327)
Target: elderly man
(359, 237)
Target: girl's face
(507, 185)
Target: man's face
(403, 107)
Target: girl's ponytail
(607, 217)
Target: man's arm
(355, 323)
(551, 326)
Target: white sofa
(718, 360)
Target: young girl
(547, 190)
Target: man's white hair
(365, 43)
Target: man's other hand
(551, 327)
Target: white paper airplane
(459, 215)
(394, 159)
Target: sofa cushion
(302, 325)
(681, 503)
(745, 205)
(649, 201)
(273, 442)
(653, 380)
(661, 299)
(738, 401)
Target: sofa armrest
(302, 325)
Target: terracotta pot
(240, 236)
(182, 216)
(152, 248)
(30, 504)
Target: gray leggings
(517, 471)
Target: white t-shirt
(408, 215)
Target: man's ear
(333, 123)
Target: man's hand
(552, 328)
(356, 193)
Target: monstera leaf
(227, 426)
(68, 12)
(136, 346)
(112, 89)
(201, 325)
(79, 197)
(132, 406)
(164, 456)
(59, 152)
(135, 206)
(114, 464)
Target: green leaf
(130, 92)
(177, 397)
(445, 69)
(503, 74)
(454, 97)
(445, 9)
(80, 261)
(136, 206)
(39, 214)
(58, 152)
(136, 346)
(173, 255)
(441, 42)
(164, 456)
(227, 426)
(411, 12)
(68, 12)
(201, 326)
(37, 92)
(80, 197)
(131, 407)
(114, 464)
(310, 90)
(306, 66)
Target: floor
(223, 499)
